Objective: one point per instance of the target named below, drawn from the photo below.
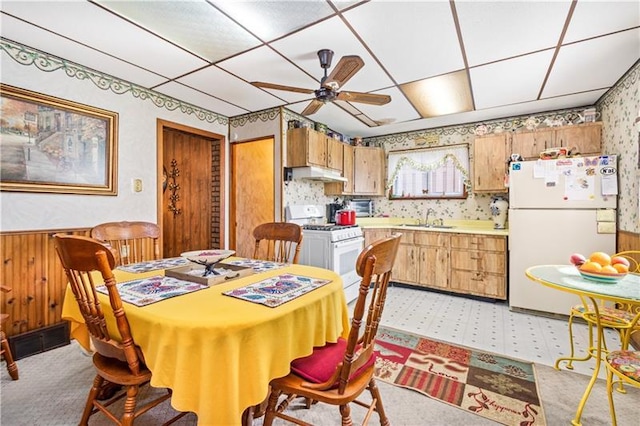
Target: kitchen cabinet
(369, 171)
(490, 159)
(479, 265)
(343, 188)
(473, 264)
(308, 147)
(586, 138)
(433, 263)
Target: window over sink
(439, 172)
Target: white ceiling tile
(271, 19)
(593, 64)
(511, 81)
(104, 31)
(333, 34)
(222, 85)
(27, 34)
(611, 16)
(399, 109)
(497, 30)
(194, 24)
(418, 54)
(263, 64)
(202, 100)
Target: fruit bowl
(602, 277)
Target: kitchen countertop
(484, 227)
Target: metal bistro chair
(278, 242)
(133, 242)
(623, 319)
(625, 366)
(117, 359)
(338, 373)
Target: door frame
(161, 125)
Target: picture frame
(53, 145)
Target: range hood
(317, 173)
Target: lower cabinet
(474, 264)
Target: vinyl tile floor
(488, 326)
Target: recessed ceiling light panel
(442, 95)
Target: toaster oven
(363, 207)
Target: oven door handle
(338, 244)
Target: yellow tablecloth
(218, 353)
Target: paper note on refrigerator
(579, 186)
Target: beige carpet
(53, 387)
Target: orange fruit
(621, 268)
(590, 266)
(601, 258)
(609, 270)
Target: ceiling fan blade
(313, 107)
(343, 71)
(264, 85)
(365, 98)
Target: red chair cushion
(321, 364)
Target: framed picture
(49, 144)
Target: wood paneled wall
(31, 268)
(628, 241)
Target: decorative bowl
(204, 257)
(602, 277)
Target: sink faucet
(429, 211)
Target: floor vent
(40, 340)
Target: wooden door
(252, 192)
(187, 198)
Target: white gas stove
(328, 246)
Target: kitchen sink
(414, 225)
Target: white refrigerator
(557, 208)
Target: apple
(577, 259)
(620, 259)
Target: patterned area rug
(492, 386)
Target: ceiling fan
(346, 68)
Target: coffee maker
(332, 208)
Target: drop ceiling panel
(333, 34)
(625, 15)
(200, 99)
(223, 85)
(272, 19)
(14, 29)
(263, 64)
(93, 26)
(407, 46)
(593, 64)
(399, 109)
(497, 30)
(195, 25)
(511, 81)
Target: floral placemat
(154, 265)
(277, 290)
(146, 291)
(256, 265)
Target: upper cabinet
(308, 147)
(343, 188)
(490, 154)
(586, 138)
(368, 171)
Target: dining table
(218, 353)
(625, 291)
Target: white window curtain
(429, 159)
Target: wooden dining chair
(117, 359)
(133, 241)
(5, 350)
(621, 318)
(624, 367)
(278, 242)
(338, 373)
